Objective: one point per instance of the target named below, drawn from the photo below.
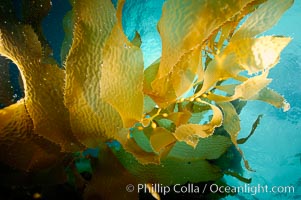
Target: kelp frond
(165, 117)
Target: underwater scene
(150, 99)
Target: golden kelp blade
(231, 121)
(263, 18)
(191, 163)
(185, 71)
(149, 76)
(92, 119)
(191, 133)
(273, 98)
(180, 118)
(161, 139)
(43, 85)
(122, 75)
(184, 27)
(251, 54)
(257, 54)
(232, 125)
(158, 141)
(244, 91)
(103, 93)
(227, 29)
(251, 87)
(20, 147)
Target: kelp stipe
(102, 95)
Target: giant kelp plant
(171, 123)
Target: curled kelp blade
(270, 96)
(252, 89)
(263, 54)
(91, 118)
(20, 147)
(231, 121)
(43, 84)
(184, 27)
(162, 141)
(244, 91)
(231, 124)
(191, 133)
(157, 141)
(158, 134)
(122, 74)
(253, 55)
(104, 94)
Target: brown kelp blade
(43, 84)
(104, 87)
(20, 147)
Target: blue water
(144, 17)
